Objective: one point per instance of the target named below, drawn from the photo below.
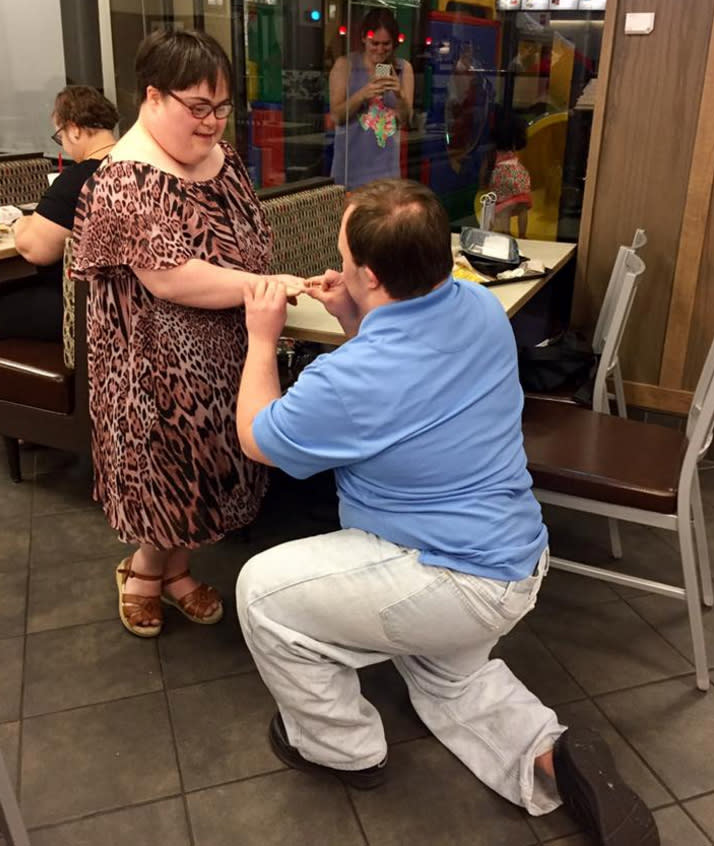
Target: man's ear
(372, 282)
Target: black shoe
(361, 779)
(596, 795)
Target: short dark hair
(400, 231)
(380, 19)
(175, 60)
(84, 106)
(510, 132)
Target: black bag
(565, 361)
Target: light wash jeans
(314, 610)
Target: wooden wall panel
(649, 126)
(701, 330)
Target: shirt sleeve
(126, 215)
(59, 201)
(309, 429)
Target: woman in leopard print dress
(167, 234)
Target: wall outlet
(639, 23)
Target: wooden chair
(624, 281)
(608, 369)
(42, 400)
(636, 472)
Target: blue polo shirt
(419, 415)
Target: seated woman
(32, 307)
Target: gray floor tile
(72, 594)
(73, 536)
(565, 589)
(670, 618)
(221, 730)
(83, 665)
(148, 825)
(431, 799)
(191, 653)
(531, 662)
(14, 544)
(572, 840)
(585, 537)
(65, 487)
(283, 809)
(15, 499)
(13, 592)
(676, 828)
(10, 677)
(386, 690)
(702, 809)
(607, 646)
(671, 725)
(647, 552)
(98, 758)
(9, 746)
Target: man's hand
(330, 290)
(265, 309)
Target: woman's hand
(265, 309)
(376, 87)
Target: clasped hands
(266, 301)
(379, 85)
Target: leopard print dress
(163, 377)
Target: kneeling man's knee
(246, 584)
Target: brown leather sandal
(136, 611)
(195, 603)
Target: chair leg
(12, 448)
(691, 587)
(700, 536)
(615, 542)
(619, 391)
(14, 826)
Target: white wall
(32, 71)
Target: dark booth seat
(32, 373)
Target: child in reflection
(510, 181)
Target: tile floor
(116, 741)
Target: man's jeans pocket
(432, 619)
(498, 605)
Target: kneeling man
(442, 548)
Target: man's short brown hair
(400, 231)
(85, 107)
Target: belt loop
(545, 559)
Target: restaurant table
(12, 264)
(308, 320)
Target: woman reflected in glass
(371, 97)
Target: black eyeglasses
(203, 110)
(56, 136)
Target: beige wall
(649, 125)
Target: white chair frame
(619, 297)
(602, 327)
(687, 521)
(11, 824)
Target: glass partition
(495, 95)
